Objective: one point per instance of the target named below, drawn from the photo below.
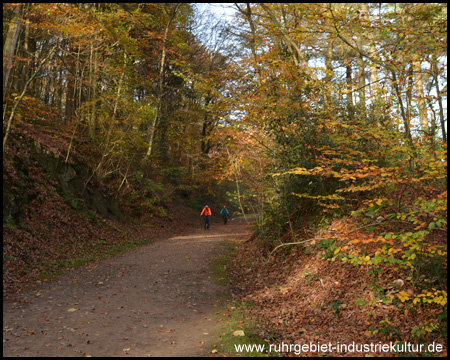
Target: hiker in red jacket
(206, 212)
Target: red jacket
(206, 211)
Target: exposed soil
(157, 300)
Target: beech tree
(10, 44)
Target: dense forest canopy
(294, 111)
(165, 70)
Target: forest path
(156, 300)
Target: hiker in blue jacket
(224, 213)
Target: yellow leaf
(403, 296)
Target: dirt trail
(157, 300)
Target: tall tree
(170, 12)
(9, 47)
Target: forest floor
(156, 300)
(305, 295)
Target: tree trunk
(361, 75)
(93, 76)
(418, 81)
(253, 42)
(409, 86)
(348, 78)
(11, 116)
(155, 122)
(372, 51)
(10, 45)
(119, 88)
(298, 54)
(329, 70)
(204, 141)
(435, 72)
(404, 115)
(70, 98)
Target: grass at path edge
(234, 314)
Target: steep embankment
(306, 294)
(56, 215)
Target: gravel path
(157, 300)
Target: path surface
(157, 300)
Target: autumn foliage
(326, 120)
(358, 155)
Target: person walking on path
(224, 213)
(206, 212)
